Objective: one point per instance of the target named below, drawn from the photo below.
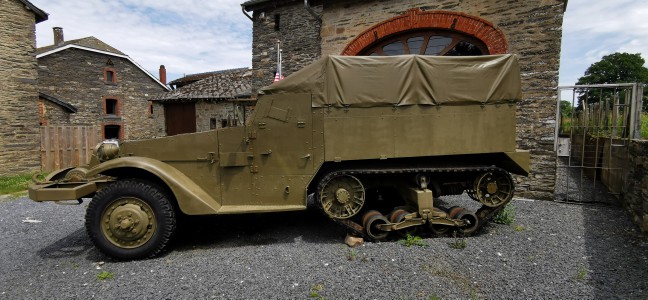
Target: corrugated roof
(88, 42)
(218, 85)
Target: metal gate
(595, 124)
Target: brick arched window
(432, 33)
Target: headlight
(107, 150)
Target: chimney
(58, 36)
(163, 74)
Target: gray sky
(193, 36)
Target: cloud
(191, 37)
(594, 28)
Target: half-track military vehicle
(374, 140)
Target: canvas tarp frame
(366, 81)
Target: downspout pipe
(246, 14)
(311, 11)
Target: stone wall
(19, 134)
(299, 34)
(208, 110)
(533, 30)
(77, 77)
(52, 114)
(635, 196)
(205, 112)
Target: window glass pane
(111, 106)
(395, 48)
(464, 48)
(436, 44)
(110, 76)
(414, 44)
(111, 132)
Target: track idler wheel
(370, 221)
(397, 216)
(472, 222)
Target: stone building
(205, 101)
(88, 82)
(531, 29)
(19, 135)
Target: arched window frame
(415, 19)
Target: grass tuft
(14, 184)
(412, 240)
(105, 275)
(505, 216)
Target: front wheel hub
(128, 223)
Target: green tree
(614, 68)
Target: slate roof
(218, 85)
(88, 42)
(94, 44)
(255, 4)
(39, 13)
(67, 106)
(191, 78)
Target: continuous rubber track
(484, 214)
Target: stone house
(88, 82)
(204, 101)
(19, 136)
(308, 30)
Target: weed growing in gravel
(314, 291)
(582, 273)
(105, 275)
(519, 228)
(352, 255)
(458, 243)
(505, 216)
(412, 240)
(434, 297)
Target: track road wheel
(130, 219)
(439, 229)
(471, 219)
(370, 220)
(454, 211)
(342, 196)
(397, 216)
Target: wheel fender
(192, 199)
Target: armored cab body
(347, 130)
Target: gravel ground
(552, 251)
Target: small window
(109, 75)
(223, 123)
(112, 106)
(277, 22)
(150, 109)
(112, 132)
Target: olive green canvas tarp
(364, 81)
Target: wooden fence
(67, 146)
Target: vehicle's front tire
(130, 219)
